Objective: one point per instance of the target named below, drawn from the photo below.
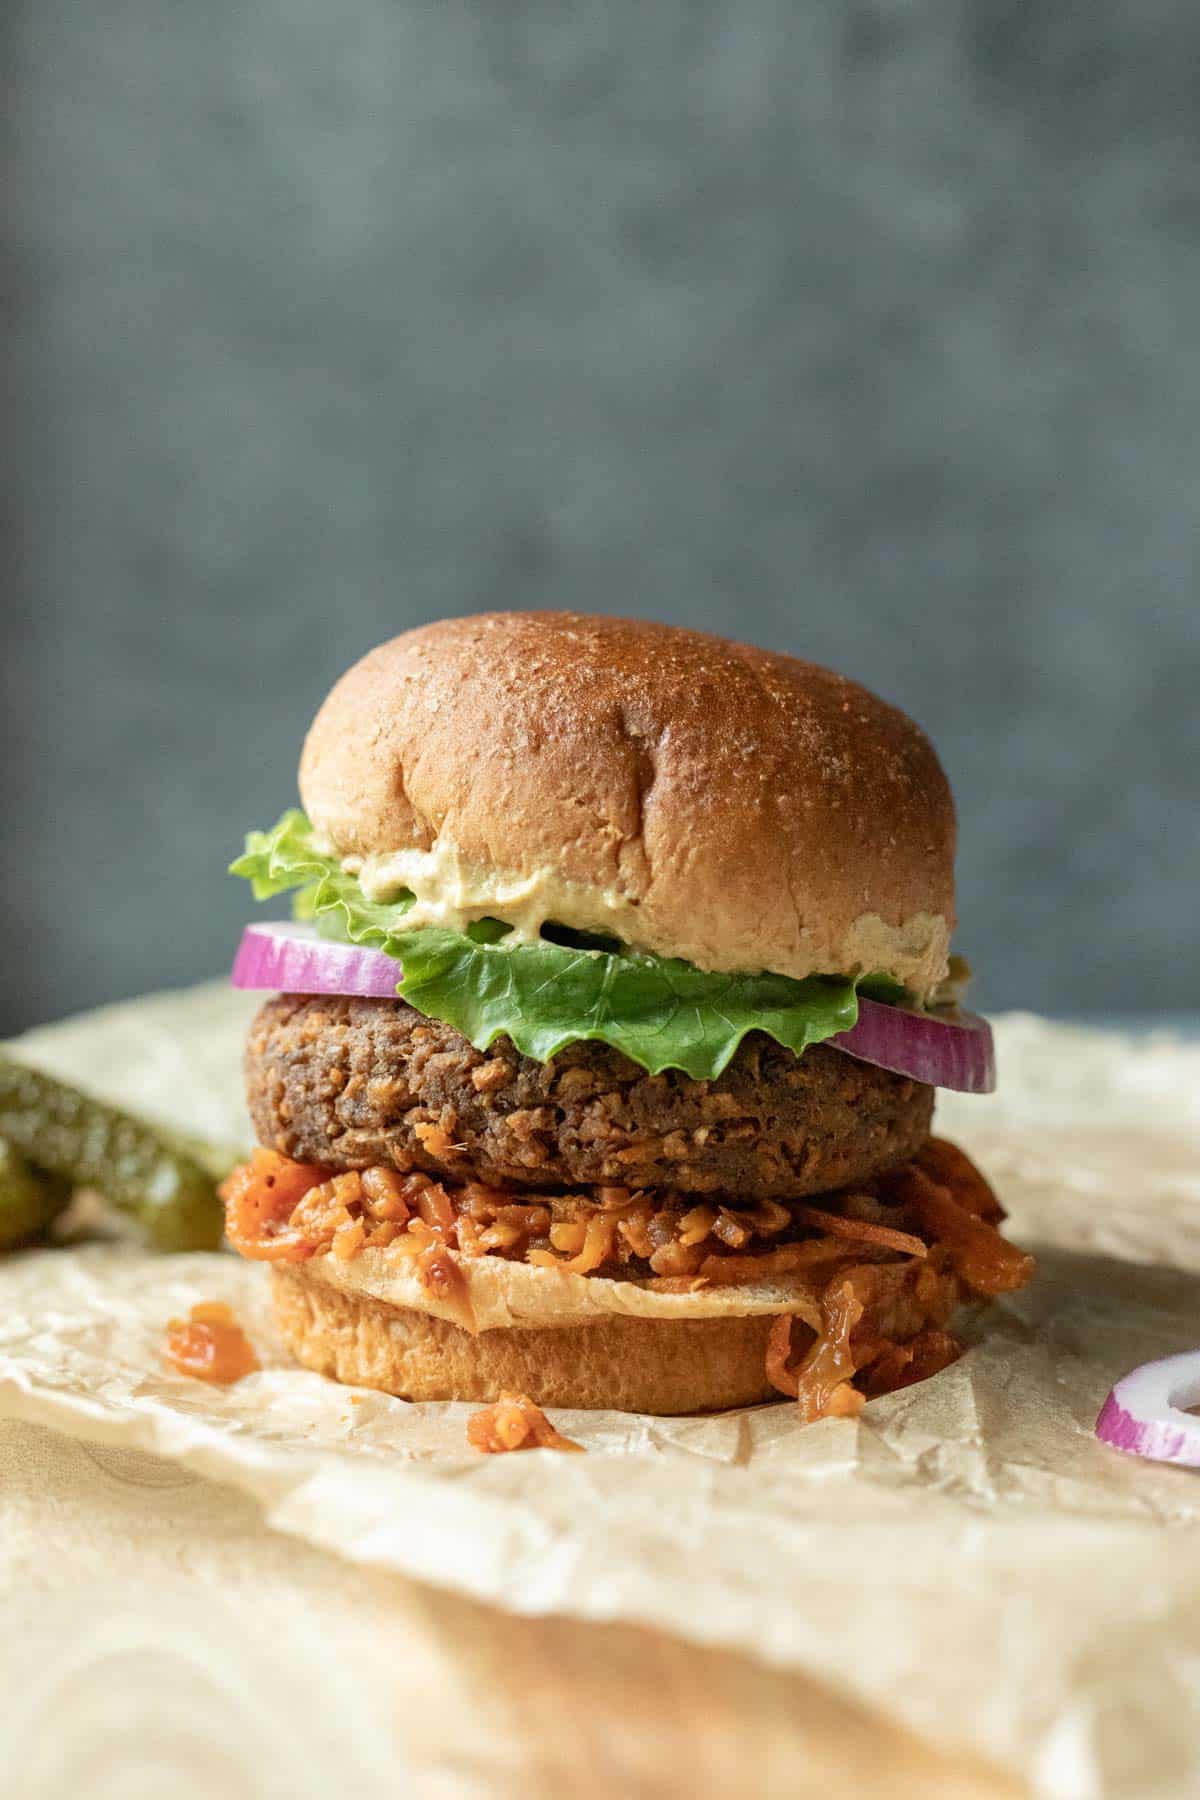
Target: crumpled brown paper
(966, 1557)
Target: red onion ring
(949, 1053)
(295, 959)
(954, 1052)
(1145, 1414)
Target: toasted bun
(694, 797)
(631, 1364)
(495, 1294)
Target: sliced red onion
(1145, 1413)
(949, 1053)
(295, 959)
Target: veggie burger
(602, 1057)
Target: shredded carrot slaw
(888, 1262)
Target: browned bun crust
(632, 1364)
(697, 798)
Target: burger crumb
(489, 1076)
(435, 1140)
(210, 1345)
(513, 1422)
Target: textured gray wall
(867, 330)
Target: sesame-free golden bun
(644, 1364)
(693, 797)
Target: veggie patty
(357, 1082)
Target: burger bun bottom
(629, 1363)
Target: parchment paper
(966, 1557)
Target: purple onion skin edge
(295, 967)
(1155, 1439)
(964, 1057)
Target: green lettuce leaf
(285, 857)
(661, 1012)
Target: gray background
(865, 330)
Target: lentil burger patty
(356, 1082)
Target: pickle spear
(139, 1171)
(30, 1199)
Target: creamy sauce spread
(451, 891)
